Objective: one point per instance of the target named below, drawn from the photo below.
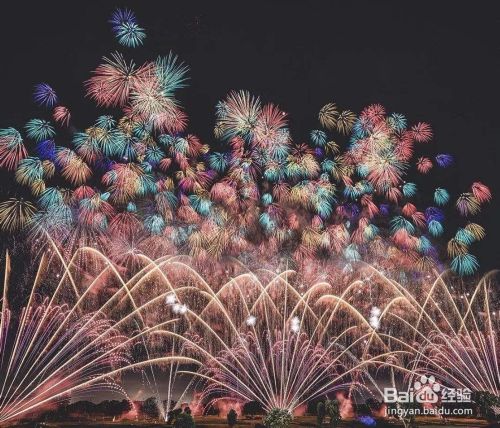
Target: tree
(232, 418)
(184, 420)
(253, 408)
(320, 414)
(84, 409)
(278, 418)
(113, 408)
(373, 404)
(488, 405)
(150, 408)
(333, 412)
(58, 414)
(120, 407)
(126, 406)
(173, 414)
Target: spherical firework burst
(39, 129)
(112, 81)
(16, 214)
(44, 95)
(467, 204)
(345, 121)
(126, 29)
(12, 149)
(328, 116)
(61, 115)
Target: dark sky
(432, 61)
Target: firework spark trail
(55, 334)
(271, 317)
(46, 363)
(454, 323)
(449, 335)
(281, 377)
(169, 393)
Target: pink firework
(424, 165)
(61, 115)
(112, 82)
(422, 132)
(12, 149)
(481, 192)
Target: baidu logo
(426, 390)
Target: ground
(215, 422)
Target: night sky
(432, 61)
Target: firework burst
(66, 343)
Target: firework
(252, 338)
(144, 234)
(15, 214)
(422, 132)
(481, 192)
(64, 344)
(464, 264)
(44, 95)
(424, 165)
(258, 339)
(444, 160)
(328, 116)
(240, 114)
(467, 204)
(112, 81)
(342, 195)
(126, 29)
(39, 129)
(61, 115)
(269, 344)
(345, 121)
(441, 196)
(455, 337)
(12, 149)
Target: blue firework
(126, 30)
(44, 95)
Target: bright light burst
(112, 81)
(259, 195)
(63, 343)
(252, 337)
(269, 344)
(16, 214)
(453, 331)
(126, 30)
(44, 95)
(328, 116)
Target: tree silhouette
(278, 418)
(150, 408)
(232, 418)
(333, 412)
(184, 420)
(253, 408)
(320, 413)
